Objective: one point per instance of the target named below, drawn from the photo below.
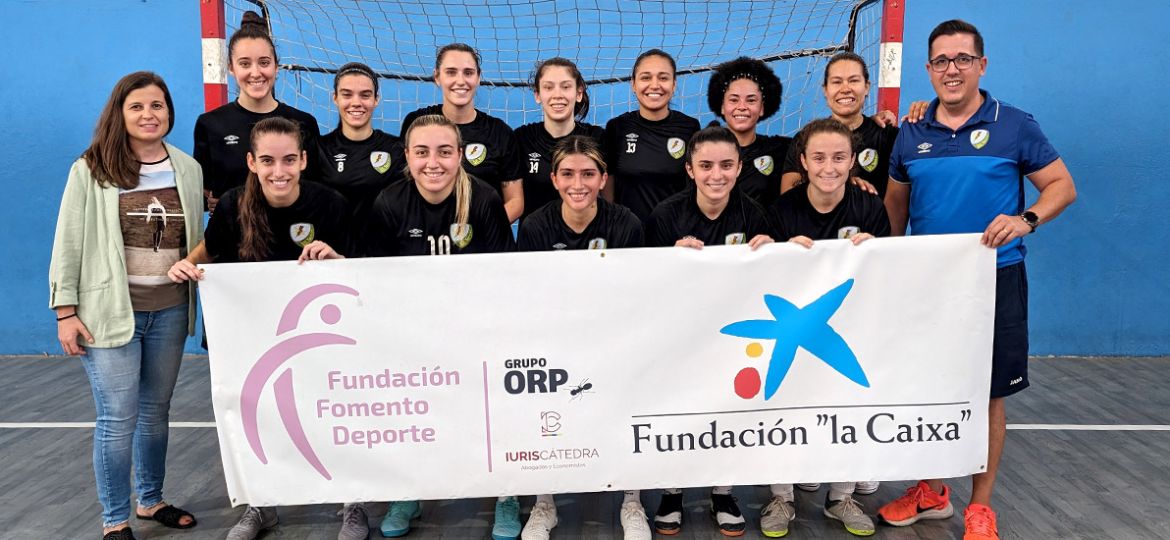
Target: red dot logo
(747, 383)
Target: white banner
(526, 373)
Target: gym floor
(1086, 457)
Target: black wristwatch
(1031, 219)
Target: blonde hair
(462, 179)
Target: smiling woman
(274, 216)
(356, 159)
(745, 92)
(133, 191)
(560, 90)
(222, 135)
(645, 147)
(489, 151)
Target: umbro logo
(415, 232)
(231, 139)
(631, 137)
(559, 245)
(924, 148)
(534, 155)
(339, 157)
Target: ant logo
(582, 388)
(275, 357)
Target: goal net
(398, 39)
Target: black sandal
(120, 534)
(169, 516)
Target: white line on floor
(53, 425)
(1090, 427)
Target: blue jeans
(132, 387)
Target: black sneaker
(727, 515)
(668, 518)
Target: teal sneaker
(507, 526)
(397, 520)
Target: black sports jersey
(762, 159)
(318, 214)
(489, 146)
(402, 222)
(645, 158)
(874, 145)
(359, 170)
(614, 226)
(679, 216)
(536, 148)
(223, 138)
(858, 212)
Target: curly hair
(754, 70)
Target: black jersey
(489, 146)
(223, 139)
(318, 214)
(402, 222)
(874, 145)
(858, 212)
(679, 216)
(613, 227)
(645, 157)
(762, 164)
(536, 148)
(359, 170)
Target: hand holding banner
(485, 375)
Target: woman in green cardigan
(132, 206)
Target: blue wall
(1099, 279)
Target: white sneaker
(634, 524)
(866, 488)
(540, 522)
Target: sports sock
(784, 491)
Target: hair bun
(253, 18)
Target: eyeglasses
(962, 62)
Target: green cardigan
(88, 268)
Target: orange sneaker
(919, 502)
(979, 522)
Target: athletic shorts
(1009, 357)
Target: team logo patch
(868, 159)
(380, 161)
(461, 234)
(598, 243)
(764, 164)
(302, 233)
(979, 138)
(847, 232)
(475, 153)
(735, 239)
(676, 147)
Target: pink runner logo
(275, 357)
